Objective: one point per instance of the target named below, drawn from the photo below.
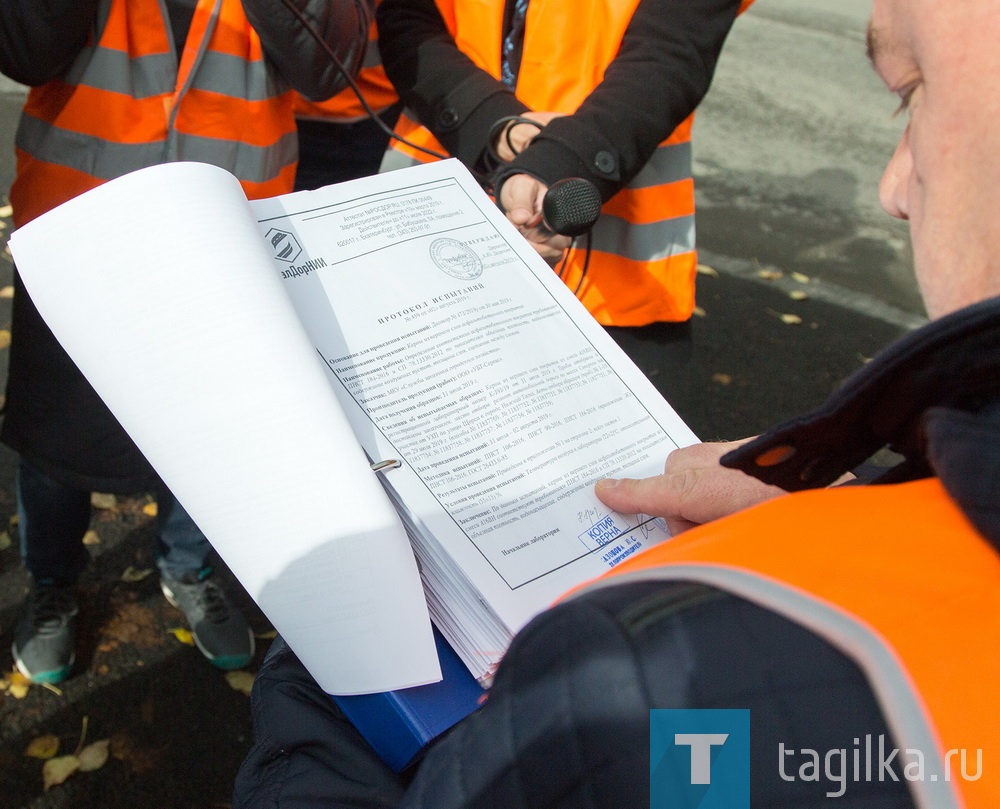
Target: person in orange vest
(340, 138)
(855, 621)
(530, 93)
(117, 85)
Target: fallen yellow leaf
(698, 312)
(241, 681)
(4, 338)
(271, 634)
(6, 211)
(57, 770)
(43, 747)
(722, 379)
(131, 574)
(18, 685)
(91, 538)
(791, 320)
(149, 509)
(798, 295)
(770, 275)
(704, 269)
(107, 502)
(5, 541)
(802, 279)
(182, 634)
(94, 756)
(7, 292)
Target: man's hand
(521, 197)
(692, 490)
(516, 137)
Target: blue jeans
(53, 519)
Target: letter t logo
(699, 758)
(701, 745)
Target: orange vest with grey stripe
(897, 579)
(125, 103)
(643, 264)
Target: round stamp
(456, 258)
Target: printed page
(456, 350)
(161, 289)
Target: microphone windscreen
(571, 206)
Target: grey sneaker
(220, 630)
(45, 641)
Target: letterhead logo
(699, 759)
(284, 246)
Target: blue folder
(399, 724)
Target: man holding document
(841, 617)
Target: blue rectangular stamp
(699, 759)
(606, 530)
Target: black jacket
(667, 59)
(566, 725)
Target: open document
(266, 355)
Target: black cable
(307, 24)
(586, 266)
(561, 267)
(494, 133)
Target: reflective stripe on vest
(897, 579)
(401, 155)
(642, 265)
(125, 103)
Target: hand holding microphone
(550, 217)
(571, 206)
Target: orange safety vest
(125, 103)
(643, 263)
(345, 106)
(897, 579)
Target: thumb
(631, 496)
(521, 197)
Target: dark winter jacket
(566, 724)
(664, 68)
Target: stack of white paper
(457, 351)
(450, 347)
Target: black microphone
(571, 206)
